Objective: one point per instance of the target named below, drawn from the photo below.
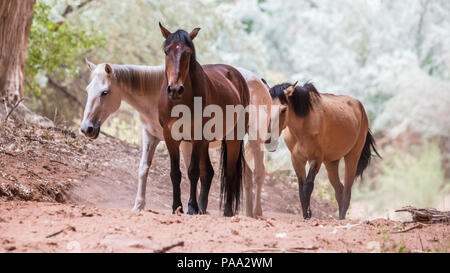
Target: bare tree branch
(12, 109)
(63, 90)
(71, 9)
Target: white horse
(140, 87)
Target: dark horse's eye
(104, 93)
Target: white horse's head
(104, 98)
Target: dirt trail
(60, 192)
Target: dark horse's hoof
(203, 212)
(307, 215)
(228, 213)
(178, 210)
(192, 210)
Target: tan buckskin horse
(218, 85)
(140, 87)
(322, 128)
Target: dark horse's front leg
(175, 173)
(307, 188)
(206, 176)
(194, 174)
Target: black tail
(366, 154)
(230, 188)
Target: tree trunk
(16, 17)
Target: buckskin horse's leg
(299, 167)
(351, 163)
(149, 144)
(194, 175)
(333, 176)
(206, 176)
(308, 188)
(175, 174)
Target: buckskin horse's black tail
(230, 188)
(366, 154)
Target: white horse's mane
(139, 78)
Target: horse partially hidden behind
(140, 87)
(219, 85)
(322, 128)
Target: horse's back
(342, 106)
(225, 78)
(344, 121)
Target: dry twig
(167, 248)
(60, 231)
(12, 109)
(409, 229)
(281, 250)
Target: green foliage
(54, 48)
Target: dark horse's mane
(182, 36)
(302, 99)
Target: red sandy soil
(60, 192)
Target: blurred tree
(16, 17)
(367, 49)
(131, 35)
(54, 48)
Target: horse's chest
(151, 125)
(304, 146)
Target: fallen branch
(56, 161)
(55, 233)
(409, 229)
(63, 90)
(167, 248)
(12, 109)
(110, 136)
(427, 216)
(282, 250)
(60, 231)
(8, 153)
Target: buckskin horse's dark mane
(302, 99)
(182, 36)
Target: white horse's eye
(104, 93)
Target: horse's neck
(145, 101)
(306, 126)
(198, 79)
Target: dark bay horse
(220, 85)
(322, 128)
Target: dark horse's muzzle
(175, 92)
(90, 129)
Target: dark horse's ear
(108, 69)
(265, 83)
(91, 66)
(165, 32)
(194, 33)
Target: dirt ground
(60, 192)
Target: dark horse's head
(180, 53)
